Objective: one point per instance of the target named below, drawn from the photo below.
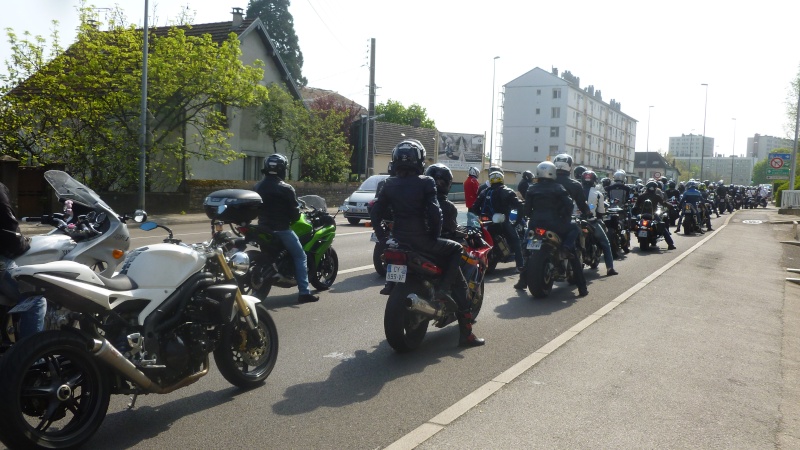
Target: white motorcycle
(88, 232)
(149, 329)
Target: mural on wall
(460, 151)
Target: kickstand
(132, 404)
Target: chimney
(237, 18)
(416, 122)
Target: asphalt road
(337, 384)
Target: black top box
(241, 205)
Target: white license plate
(643, 233)
(356, 209)
(373, 238)
(534, 245)
(396, 273)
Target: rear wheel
(53, 391)
(377, 259)
(404, 330)
(321, 275)
(260, 279)
(243, 361)
(644, 244)
(353, 220)
(540, 274)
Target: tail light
(540, 231)
(243, 229)
(645, 222)
(431, 268)
(395, 257)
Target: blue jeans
(31, 321)
(292, 244)
(513, 241)
(602, 239)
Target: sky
(652, 57)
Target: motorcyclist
(619, 193)
(708, 206)
(443, 177)
(563, 163)
(527, 179)
(471, 186)
(672, 191)
(651, 193)
(577, 172)
(12, 245)
(693, 197)
(488, 183)
(279, 209)
(418, 223)
(596, 202)
(500, 199)
(605, 183)
(550, 206)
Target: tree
(82, 106)
(312, 137)
(395, 112)
(280, 26)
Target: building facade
(544, 115)
(691, 146)
(759, 146)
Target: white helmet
(546, 170)
(619, 176)
(473, 172)
(563, 162)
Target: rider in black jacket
(563, 163)
(279, 208)
(653, 194)
(500, 199)
(418, 223)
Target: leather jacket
(412, 200)
(279, 207)
(502, 197)
(547, 202)
(575, 190)
(11, 245)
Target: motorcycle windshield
(473, 221)
(314, 201)
(68, 188)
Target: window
(553, 131)
(537, 111)
(536, 148)
(553, 150)
(556, 92)
(556, 112)
(538, 92)
(536, 130)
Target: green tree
(314, 138)
(395, 112)
(760, 172)
(280, 26)
(82, 106)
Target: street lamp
(703, 145)
(733, 148)
(491, 129)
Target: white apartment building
(759, 146)
(691, 146)
(544, 115)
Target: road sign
(779, 166)
(656, 175)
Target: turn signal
(117, 253)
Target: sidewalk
(705, 356)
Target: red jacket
(470, 190)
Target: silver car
(355, 206)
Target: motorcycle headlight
(240, 262)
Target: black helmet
(589, 178)
(409, 155)
(527, 175)
(578, 172)
(275, 165)
(390, 169)
(443, 177)
(606, 182)
(671, 184)
(664, 180)
(496, 169)
(651, 186)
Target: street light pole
(733, 149)
(703, 145)
(491, 128)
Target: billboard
(460, 151)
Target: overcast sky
(440, 54)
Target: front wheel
(404, 330)
(242, 360)
(540, 274)
(322, 274)
(377, 259)
(53, 391)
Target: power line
(324, 23)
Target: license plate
(373, 238)
(396, 273)
(643, 233)
(534, 245)
(356, 209)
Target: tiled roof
(311, 94)
(219, 31)
(387, 135)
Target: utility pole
(370, 113)
(143, 118)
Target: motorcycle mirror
(498, 218)
(139, 216)
(147, 226)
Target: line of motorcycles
(146, 320)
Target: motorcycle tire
(259, 281)
(322, 275)
(404, 330)
(244, 282)
(540, 274)
(377, 259)
(35, 374)
(249, 368)
(494, 258)
(353, 220)
(644, 244)
(625, 242)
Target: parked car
(354, 207)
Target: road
(337, 384)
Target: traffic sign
(779, 166)
(656, 175)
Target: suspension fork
(244, 309)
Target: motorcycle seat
(118, 282)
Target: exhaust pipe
(421, 306)
(106, 352)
